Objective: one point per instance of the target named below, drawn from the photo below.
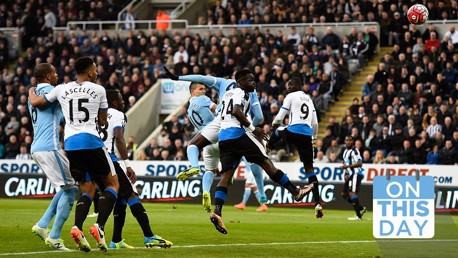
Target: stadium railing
(181, 8)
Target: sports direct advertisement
(156, 183)
(329, 173)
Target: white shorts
(211, 131)
(211, 156)
(56, 167)
(250, 178)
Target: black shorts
(303, 144)
(231, 151)
(125, 186)
(96, 162)
(352, 183)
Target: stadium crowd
(407, 112)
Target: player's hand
(170, 75)
(32, 90)
(345, 166)
(131, 175)
(258, 132)
(275, 126)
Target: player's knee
(344, 195)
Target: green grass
(280, 232)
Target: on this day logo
(403, 207)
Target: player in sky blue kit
(301, 131)
(238, 137)
(201, 112)
(352, 165)
(84, 106)
(50, 157)
(209, 135)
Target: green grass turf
(280, 232)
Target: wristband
(251, 128)
(127, 163)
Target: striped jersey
(230, 126)
(352, 156)
(116, 120)
(45, 123)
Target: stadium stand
(411, 79)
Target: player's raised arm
(35, 100)
(208, 81)
(256, 110)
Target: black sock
(106, 202)
(316, 191)
(220, 198)
(356, 206)
(283, 180)
(119, 215)
(96, 200)
(82, 209)
(140, 214)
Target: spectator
(12, 147)
(392, 160)
(129, 19)
(23, 153)
(379, 158)
(433, 156)
(448, 154)
(405, 155)
(320, 158)
(162, 20)
(131, 147)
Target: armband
(127, 163)
(251, 128)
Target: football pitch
(279, 232)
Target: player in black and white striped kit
(353, 175)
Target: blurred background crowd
(407, 111)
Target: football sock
(316, 191)
(106, 203)
(140, 214)
(258, 195)
(220, 198)
(119, 216)
(50, 211)
(259, 178)
(64, 207)
(356, 206)
(82, 209)
(193, 155)
(96, 200)
(246, 195)
(282, 179)
(207, 181)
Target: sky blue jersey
(199, 111)
(45, 123)
(222, 85)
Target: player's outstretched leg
(197, 143)
(149, 239)
(282, 179)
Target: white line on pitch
(258, 244)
